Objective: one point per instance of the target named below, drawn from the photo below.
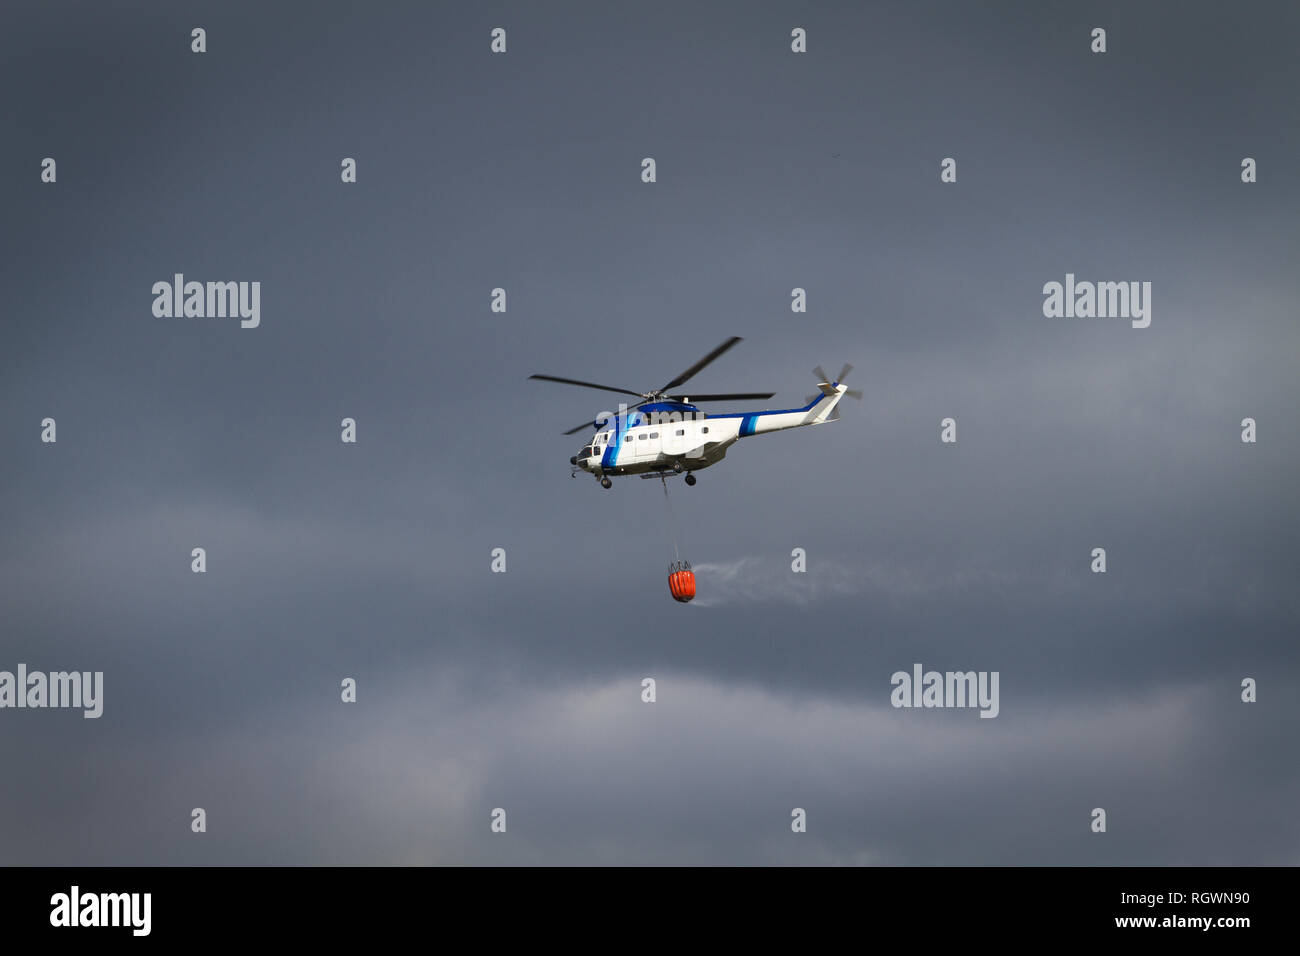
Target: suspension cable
(672, 521)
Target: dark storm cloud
(522, 690)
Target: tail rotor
(823, 377)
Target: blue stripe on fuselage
(621, 425)
(749, 420)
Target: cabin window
(681, 431)
(654, 434)
(705, 429)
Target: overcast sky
(522, 690)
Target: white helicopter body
(665, 435)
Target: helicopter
(663, 435)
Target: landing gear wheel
(690, 479)
(606, 483)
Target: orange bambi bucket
(681, 582)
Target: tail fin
(824, 409)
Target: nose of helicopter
(584, 458)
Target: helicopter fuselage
(665, 434)
(678, 437)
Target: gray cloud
(521, 689)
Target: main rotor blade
(591, 425)
(574, 381)
(728, 397)
(694, 369)
(602, 424)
